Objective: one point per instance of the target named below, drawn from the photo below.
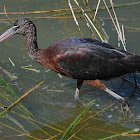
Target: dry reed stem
(27, 118)
(97, 113)
(88, 24)
(10, 75)
(95, 15)
(98, 129)
(7, 94)
(88, 19)
(132, 28)
(119, 34)
(76, 132)
(122, 109)
(61, 10)
(18, 131)
(13, 100)
(74, 16)
(12, 136)
(132, 135)
(118, 26)
(7, 14)
(96, 9)
(55, 136)
(35, 12)
(23, 96)
(111, 17)
(11, 62)
(119, 29)
(123, 36)
(26, 67)
(73, 13)
(105, 18)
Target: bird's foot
(76, 95)
(126, 110)
(125, 105)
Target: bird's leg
(133, 92)
(99, 85)
(79, 84)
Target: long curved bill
(8, 33)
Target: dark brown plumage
(83, 59)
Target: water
(51, 103)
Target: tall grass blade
(14, 96)
(76, 121)
(8, 88)
(122, 134)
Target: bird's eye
(17, 27)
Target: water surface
(52, 103)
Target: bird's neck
(31, 44)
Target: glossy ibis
(84, 59)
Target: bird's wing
(90, 60)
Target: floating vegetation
(10, 75)
(27, 68)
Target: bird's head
(22, 26)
